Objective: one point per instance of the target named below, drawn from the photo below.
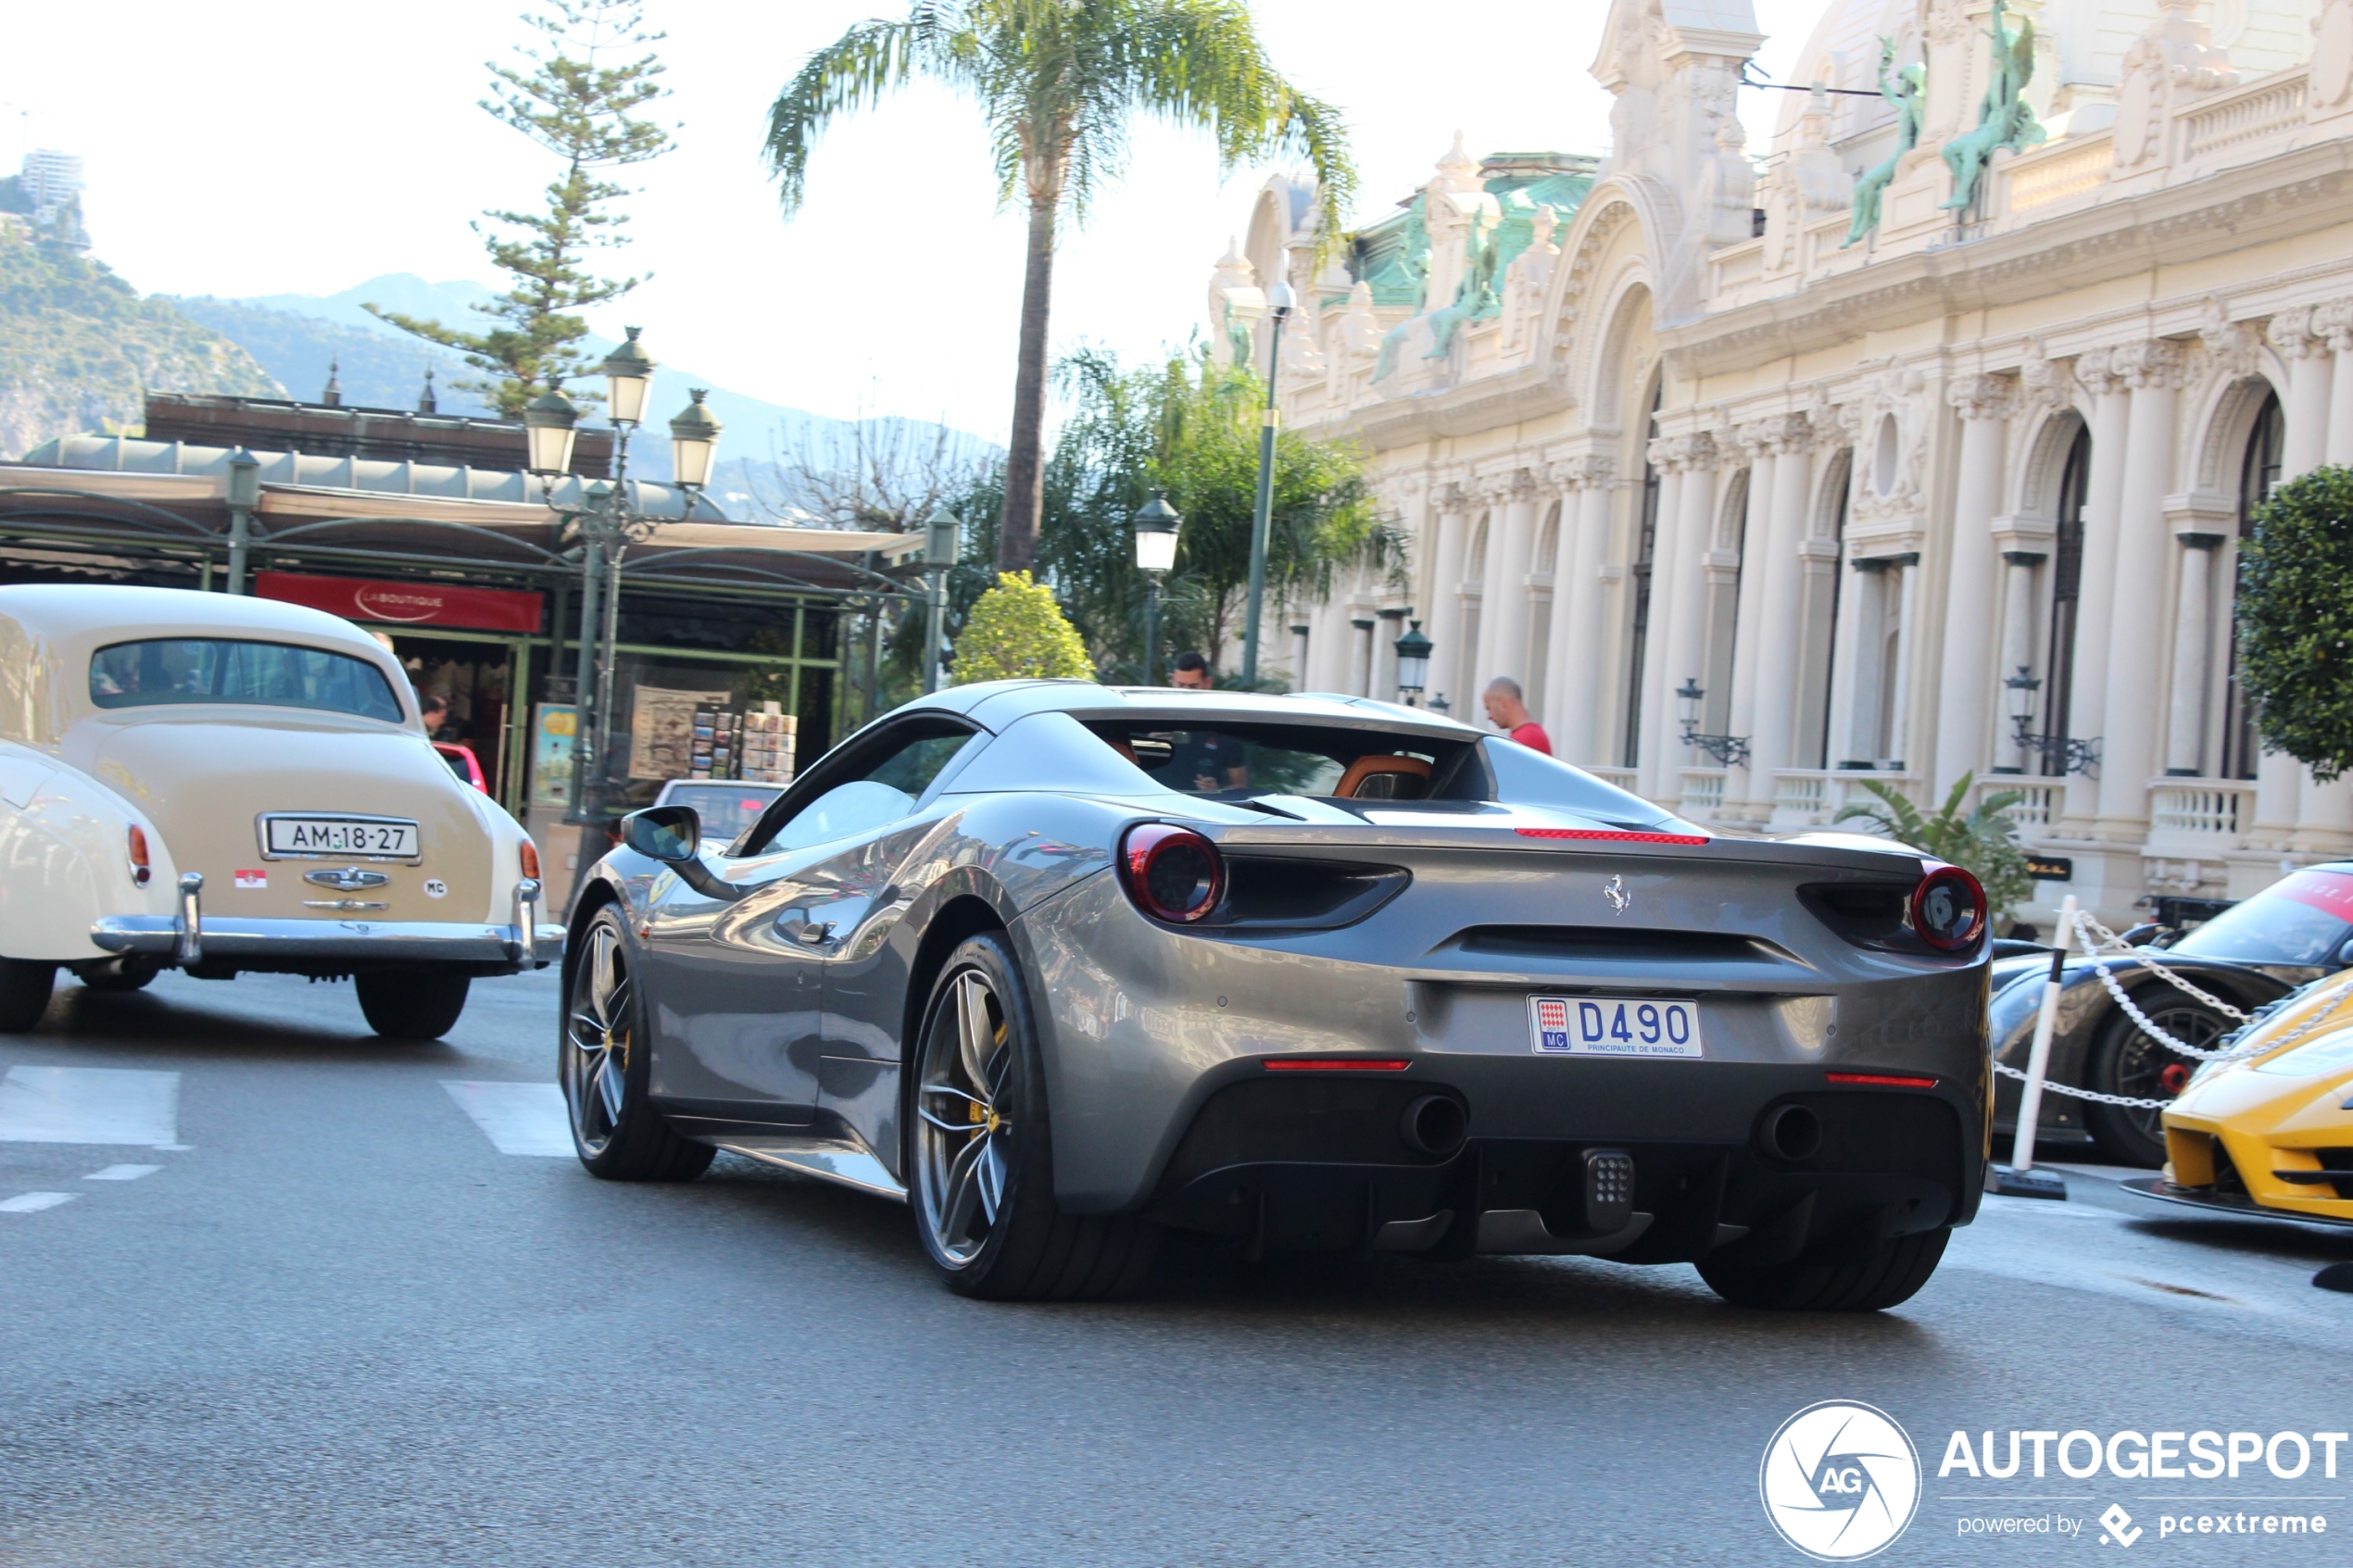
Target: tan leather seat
(1365, 768)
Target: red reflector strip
(1887, 1080)
(1612, 835)
(1339, 1065)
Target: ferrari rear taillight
(529, 854)
(140, 868)
(1173, 873)
(1948, 909)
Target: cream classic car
(231, 785)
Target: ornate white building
(1651, 421)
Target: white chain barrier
(2079, 925)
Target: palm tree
(1058, 81)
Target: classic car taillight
(140, 870)
(530, 855)
(1173, 873)
(1948, 909)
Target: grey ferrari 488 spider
(1068, 967)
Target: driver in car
(1211, 760)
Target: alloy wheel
(596, 1040)
(2146, 1069)
(964, 1142)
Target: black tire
(127, 978)
(978, 1120)
(411, 1004)
(602, 1062)
(1893, 1273)
(2124, 1060)
(24, 993)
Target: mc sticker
(437, 888)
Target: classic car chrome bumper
(378, 940)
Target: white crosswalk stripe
(122, 1172)
(33, 1202)
(89, 1105)
(517, 1118)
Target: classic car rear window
(164, 670)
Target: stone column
(1684, 569)
(2335, 319)
(2103, 523)
(1574, 686)
(1385, 636)
(1962, 688)
(1668, 455)
(2152, 370)
(1443, 588)
(1360, 652)
(2018, 646)
(2306, 411)
(1299, 634)
(1503, 621)
(1776, 647)
(2192, 618)
(1760, 445)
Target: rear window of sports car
(1288, 759)
(163, 671)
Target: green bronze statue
(2005, 120)
(1906, 94)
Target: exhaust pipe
(1434, 1124)
(1791, 1132)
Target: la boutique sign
(406, 604)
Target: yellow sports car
(2270, 1132)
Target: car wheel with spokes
(2125, 1061)
(604, 1067)
(983, 1156)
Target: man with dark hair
(1507, 710)
(434, 711)
(1210, 760)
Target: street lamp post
(1730, 751)
(1155, 523)
(943, 536)
(1413, 661)
(1278, 307)
(608, 521)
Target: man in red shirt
(1507, 710)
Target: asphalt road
(334, 1324)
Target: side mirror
(2143, 935)
(668, 833)
(2344, 954)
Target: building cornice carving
(2150, 364)
(2291, 332)
(1981, 396)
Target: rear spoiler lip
(1621, 845)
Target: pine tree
(582, 110)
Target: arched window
(1639, 578)
(2258, 474)
(1474, 603)
(2066, 591)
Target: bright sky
(271, 146)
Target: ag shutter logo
(1840, 1481)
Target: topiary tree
(1015, 631)
(2296, 620)
(1982, 842)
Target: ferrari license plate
(381, 838)
(1613, 1026)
